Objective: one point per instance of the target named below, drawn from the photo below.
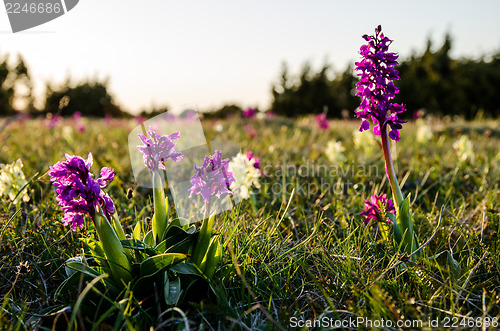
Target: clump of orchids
(376, 89)
(162, 265)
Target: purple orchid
(78, 193)
(377, 208)
(159, 148)
(376, 87)
(249, 113)
(212, 178)
(322, 121)
(250, 156)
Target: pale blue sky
(216, 52)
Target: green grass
(302, 252)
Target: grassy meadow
(298, 250)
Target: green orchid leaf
(157, 263)
(405, 225)
(180, 222)
(68, 270)
(174, 235)
(178, 241)
(137, 245)
(83, 268)
(175, 231)
(90, 272)
(213, 258)
(172, 290)
(133, 244)
(149, 239)
(71, 283)
(138, 231)
(117, 226)
(453, 265)
(395, 228)
(203, 242)
(93, 246)
(182, 247)
(187, 269)
(97, 252)
(160, 217)
(114, 251)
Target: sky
(211, 53)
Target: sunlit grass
(302, 251)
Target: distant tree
(344, 86)
(447, 86)
(154, 111)
(224, 111)
(282, 92)
(313, 92)
(6, 88)
(24, 86)
(14, 79)
(90, 98)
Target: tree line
(430, 80)
(90, 97)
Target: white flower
(464, 148)
(364, 140)
(245, 175)
(260, 115)
(12, 180)
(424, 132)
(334, 151)
(67, 132)
(219, 127)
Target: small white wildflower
(245, 175)
(67, 132)
(12, 180)
(260, 115)
(464, 148)
(424, 132)
(219, 127)
(364, 140)
(334, 151)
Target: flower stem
(160, 208)
(203, 241)
(391, 173)
(404, 219)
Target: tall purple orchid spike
(376, 89)
(376, 86)
(156, 150)
(77, 192)
(159, 148)
(212, 178)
